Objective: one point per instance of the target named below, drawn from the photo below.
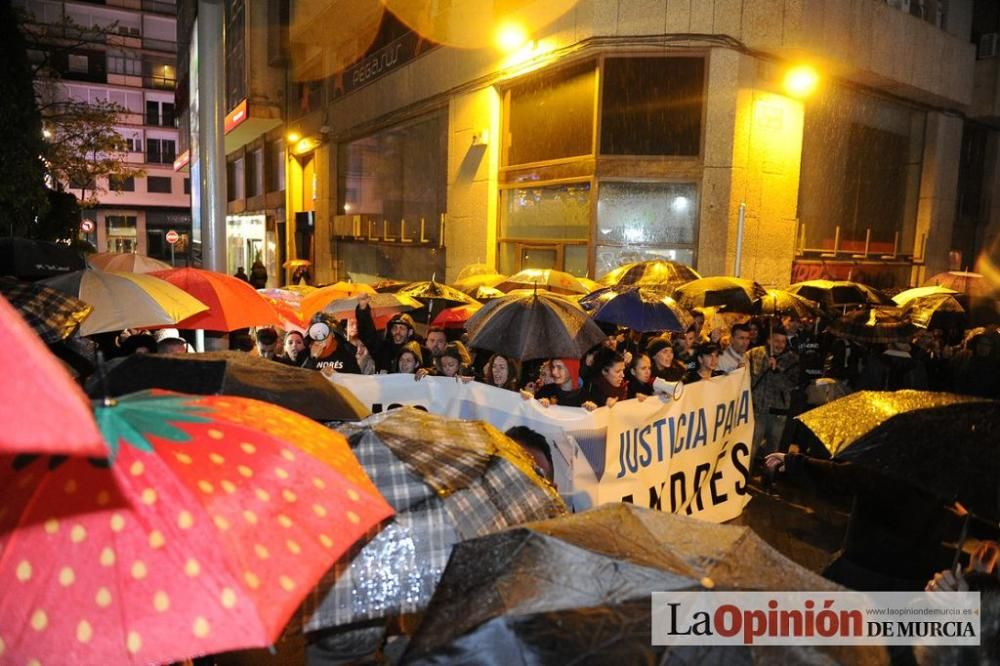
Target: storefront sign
(387, 59)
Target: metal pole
(172, 264)
(739, 239)
(211, 117)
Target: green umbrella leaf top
(135, 418)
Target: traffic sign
(87, 226)
(172, 237)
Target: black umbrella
(839, 294)
(948, 444)
(32, 259)
(233, 373)
(879, 325)
(657, 273)
(504, 597)
(777, 302)
(533, 325)
(734, 294)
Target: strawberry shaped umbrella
(200, 533)
(42, 410)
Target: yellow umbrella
(318, 299)
(126, 263)
(126, 300)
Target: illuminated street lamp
(801, 81)
(510, 37)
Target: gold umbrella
(126, 300)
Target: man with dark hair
(774, 375)
(267, 343)
(537, 447)
(383, 349)
(437, 340)
(735, 355)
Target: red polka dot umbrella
(42, 410)
(210, 520)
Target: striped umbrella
(126, 300)
(232, 303)
(126, 263)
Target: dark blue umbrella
(644, 310)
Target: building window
(552, 117)
(159, 184)
(121, 233)
(133, 144)
(235, 180)
(160, 151)
(398, 174)
(860, 175)
(587, 208)
(187, 186)
(159, 113)
(121, 184)
(255, 173)
(638, 221)
(276, 166)
(78, 63)
(120, 62)
(652, 106)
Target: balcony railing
(160, 82)
(159, 7)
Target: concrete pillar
(753, 154)
(473, 164)
(211, 120)
(938, 194)
(324, 271)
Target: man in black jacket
(384, 349)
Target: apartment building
(132, 61)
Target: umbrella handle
(961, 542)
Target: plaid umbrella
(448, 480)
(52, 314)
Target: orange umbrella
(317, 300)
(232, 303)
(42, 410)
(456, 317)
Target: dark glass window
(167, 114)
(121, 184)
(159, 184)
(652, 106)
(552, 117)
(152, 113)
(187, 186)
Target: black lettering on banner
(699, 472)
(677, 481)
(740, 452)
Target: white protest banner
(689, 456)
(588, 453)
(578, 436)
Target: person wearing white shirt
(735, 355)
